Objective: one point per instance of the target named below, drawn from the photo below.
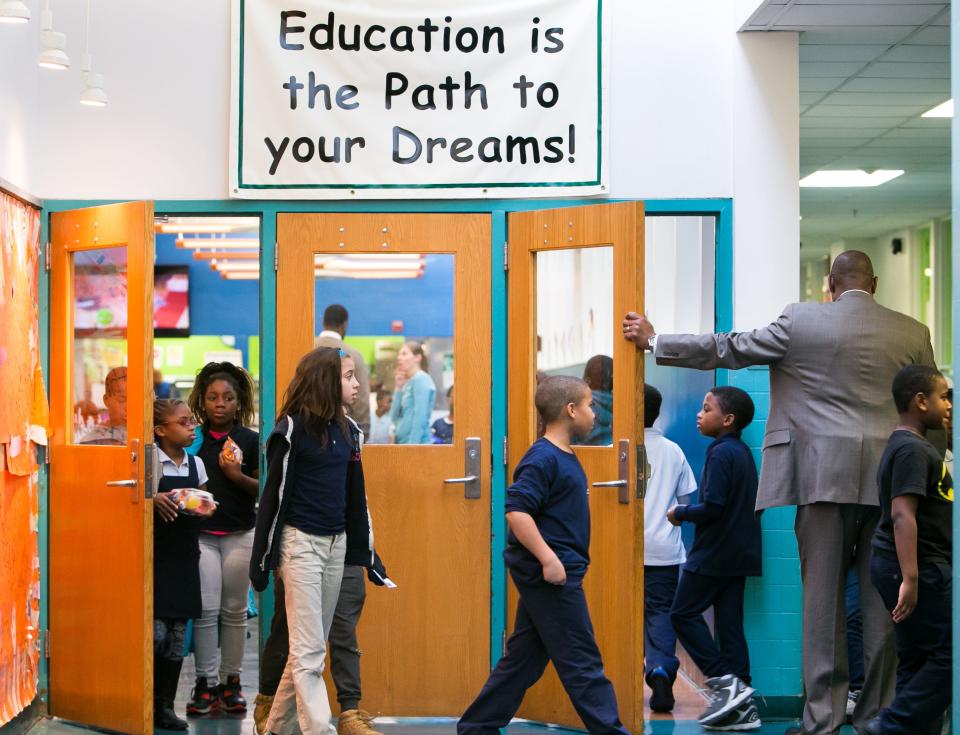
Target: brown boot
(353, 722)
(261, 712)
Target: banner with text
(339, 99)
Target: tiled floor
(681, 722)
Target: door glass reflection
(575, 326)
(394, 314)
(100, 346)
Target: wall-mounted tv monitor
(171, 301)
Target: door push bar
(471, 471)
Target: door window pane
(398, 309)
(575, 326)
(100, 346)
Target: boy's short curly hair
(555, 392)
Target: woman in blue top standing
(413, 404)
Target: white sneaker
(852, 697)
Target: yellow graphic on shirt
(945, 492)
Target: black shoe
(743, 718)
(203, 699)
(795, 731)
(872, 727)
(230, 696)
(164, 718)
(661, 700)
(726, 694)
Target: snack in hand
(231, 452)
(194, 502)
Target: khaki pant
(311, 568)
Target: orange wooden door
(573, 248)
(101, 533)
(426, 644)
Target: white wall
(19, 109)
(697, 110)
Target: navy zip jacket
(271, 515)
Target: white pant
(224, 581)
(311, 568)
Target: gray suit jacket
(831, 408)
(360, 409)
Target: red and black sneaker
(203, 699)
(231, 698)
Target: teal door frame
(499, 210)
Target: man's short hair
(652, 400)
(335, 316)
(555, 392)
(911, 380)
(737, 402)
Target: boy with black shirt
(912, 555)
(547, 554)
(726, 550)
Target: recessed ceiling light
(831, 179)
(944, 109)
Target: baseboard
(26, 719)
(779, 708)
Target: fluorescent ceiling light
(944, 109)
(836, 179)
(195, 229)
(225, 255)
(219, 242)
(14, 11)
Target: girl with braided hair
(223, 401)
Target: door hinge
(506, 447)
(45, 643)
(276, 256)
(46, 257)
(504, 643)
(506, 256)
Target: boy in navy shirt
(726, 550)
(547, 555)
(912, 563)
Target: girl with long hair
(413, 404)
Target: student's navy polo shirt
(727, 539)
(318, 488)
(549, 484)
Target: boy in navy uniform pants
(726, 550)
(547, 555)
(912, 563)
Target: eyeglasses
(184, 422)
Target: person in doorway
(223, 399)
(413, 404)
(336, 320)
(726, 550)
(176, 555)
(548, 516)
(163, 388)
(912, 564)
(670, 482)
(598, 374)
(311, 521)
(112, 431)
(381, 429)
(344, 650)
(442, 428)
(831, 366)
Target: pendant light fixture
(93, 94)
(14, 11)
(54, 44)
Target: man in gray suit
(335, 321)
(831, 412)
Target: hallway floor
(681, 722)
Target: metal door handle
(122, 483)
(623, 470)
(460, 480)
(471, 470)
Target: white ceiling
(868, 70)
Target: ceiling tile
(829, 68)
(903, 70)
(844, 52)
(820, 84)
(916, 52)
(883, 84)
(938, 35)
(799, 17)
(843, 97)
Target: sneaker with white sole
(743, 718)
(852, 697)
(726, 693)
